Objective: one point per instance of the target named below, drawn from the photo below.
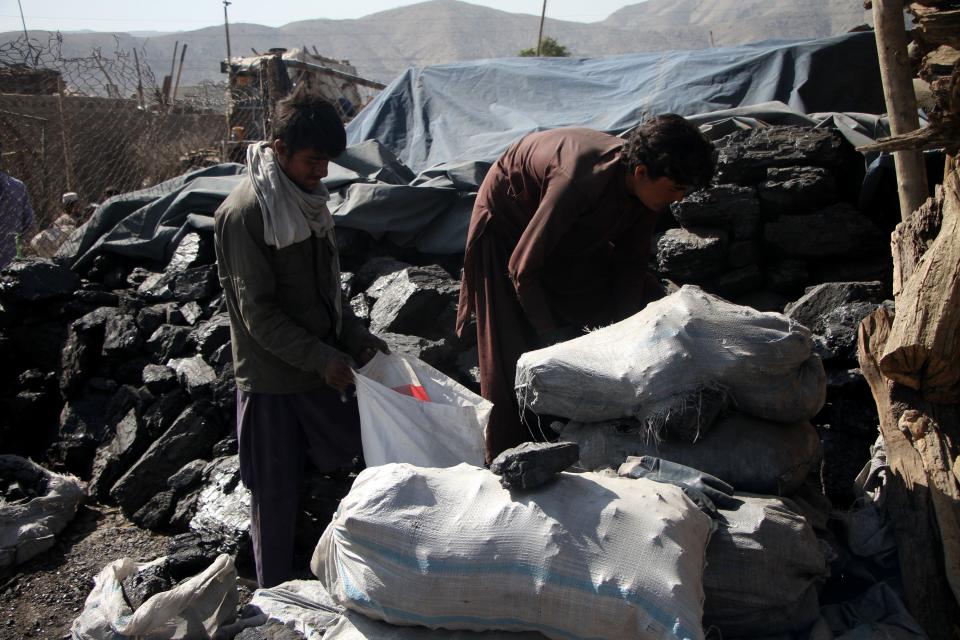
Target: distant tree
(549, 48)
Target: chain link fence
(98, 123)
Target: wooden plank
(923, 351)
(901, 101)
(913, 498)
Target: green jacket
(282, 320)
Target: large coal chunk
(743, 157)
(192, 435)
(190, 553)
(183, 286)
(155, 514)
(211, 335)
(223, 505)
(837, 330)
(81, 353)
(374, 269)
(691, 255)
(533, 464)
(409, 301)
(838, 231)
(819, 300)
(159, 378)
(35, 280)
(192, 251)
(161, 415)
(796, 190)
(195, 375)
(739, 281)
(83, 427)
(129, 441)
(434, 352)
(121, 337)
(147, 582)
(168, 341)
(187, 477)
(730, 207)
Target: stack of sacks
(585, 556)
(692, 379)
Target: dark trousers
(276, 434)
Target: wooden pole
(136, 62)
(176, 85)
(65, 137)
(901, 101)
(543, 14)
(173, 68)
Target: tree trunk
(923, 350)
(922, 498)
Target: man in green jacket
(294, 343)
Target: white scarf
(291, 214)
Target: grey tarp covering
(473, 110)
(439, 127)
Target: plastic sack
(764, 564)
(354, 626)
(660, 362)
(587, 556)
(753, 455)
(398, 425)
(31, 527)
(195, 608)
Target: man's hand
(369, 345)
(339, 373)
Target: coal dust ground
(41, 597)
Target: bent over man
(294, 344)
(559, 242)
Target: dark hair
(671, 146)
(304, 120)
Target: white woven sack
(667, 354)
(395, 427)
(764, 564)
(195, 608)
(586, 556)
(31, 527)
(354, 626)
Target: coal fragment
(223, 505)
(837, 231)
(533, 464)
(168, 342)
(35, 280)
(691, 255)
(195, 375)
(211, 335)
(819, 300)
(187, 477)
(198, 283)
(191, 312)
(155, 514)
(410, 300)
(434, 352)
(128, 443)
(121, 337)
(159, 378)
(796, 190)
(730, 207)
(190, 553)
(192, 435)
(147, 582)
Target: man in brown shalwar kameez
(559, 242)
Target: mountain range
(382, 45)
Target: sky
(185, 15)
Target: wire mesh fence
(97, 123)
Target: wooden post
(923, 351)
(136, 61)
(921, 441)
(176, 85)
(543, 15)
(900, 99)
(65, 137)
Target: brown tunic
(556, 244)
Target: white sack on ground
(194, 609)
(587, 556)
(410, 412)
(764, 564)
(661, 359)
(354, 626)
(31, 526)
(753, 455)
